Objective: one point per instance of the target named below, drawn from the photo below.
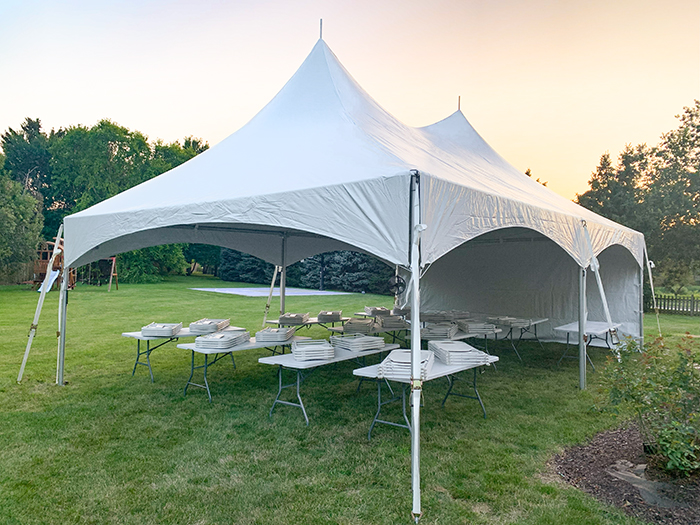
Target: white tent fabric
(521, 273)
(324, 166)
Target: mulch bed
(586, 467)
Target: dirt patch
(614, 469)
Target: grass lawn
(112, 448)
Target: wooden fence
(671, 304)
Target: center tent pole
(416, 381)
(283, 274)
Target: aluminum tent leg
(582, 354)
(62, 306)
(283, 276)
(416, 383)
(641, 308)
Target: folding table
(395, 335)
(304, 368)
(525, 326)
(219, 354)
(461, 336)
(184, 332)
(594, 330)
(312, 321)
(438, 370)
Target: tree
(657, 191)
(92, 164)
(343, 270)
(27, 156)
(675, 190)
(619, 192)
(20, 224)
(206, 255)
(148, 264)
(242, 267)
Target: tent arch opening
(520, 272)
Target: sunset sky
(550, 84)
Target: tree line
(656, 191)
(46, 176)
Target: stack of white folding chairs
(330, 316)
(221, 340)
(274, 335)
(397, 365)
(357, 342)
(312, 350)
(459, 353)
(436, 331)
(359, 326)
(294, 319)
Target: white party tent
(323, 167)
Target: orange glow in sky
(551, 85)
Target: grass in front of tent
(112, 448)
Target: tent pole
(416, 382)
(582, 356)
(283, 274)
(62, 306)
(650, 265)
(641, 307)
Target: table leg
(298, 382)
(205, 366)
(147, 353)
(566, 351)
(189, 380)
(538, 339)
(381, 403)
(453, 379)
(512, 343)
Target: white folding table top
(459, 336)
(526, 323)
(184, 332)
(247, 346)
(288, 361)
(311, 320)
(592, 327)
(438, 370)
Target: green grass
(112, 448)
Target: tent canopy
(323, 167)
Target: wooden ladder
(113, 274)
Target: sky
(550, 84)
